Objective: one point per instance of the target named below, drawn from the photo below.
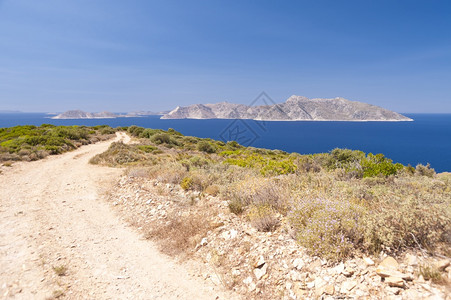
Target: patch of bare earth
(59, 239)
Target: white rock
(260, 272)
(248, 280)
(298, 264)
(203, 242)
(215, 279)
(368, 261)
(441, 265)
(347, 286)
(411, 260)
(228, 235)
(319, 282)
(394, 282)
(260, 261)
(295, 276)
(339, 268)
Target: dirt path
(51, 216)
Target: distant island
(10, 112)
(79, 114)
(296, 108)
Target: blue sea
(425, 140)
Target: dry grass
(263, 218)
(181, 232)
(430, 272)
(60, 270)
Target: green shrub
(107, 130)
(172, 131)
(345, 158)
(205, 147)
(187, 183)
(162, 138)
(147, 148)
(148, 133)
(375, 165)
(49, 138)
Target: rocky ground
(270, 265)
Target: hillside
(274, 225)
(296, 108)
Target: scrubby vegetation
(36, 142)
(336, 204)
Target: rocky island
(296, 108)
(79, 114)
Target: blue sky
(154, 55)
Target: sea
(425, 140)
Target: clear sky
(154, 55)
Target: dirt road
(53, 221)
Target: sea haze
(426, 140)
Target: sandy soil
(52, 215)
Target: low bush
(236, 206)
(424, 170)
(118, 154)
(147, 148)
(205, 147)
(263, 217)
(212, 190)
(187, 183)
(329, 228)
(408, 222)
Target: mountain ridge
(295, 108)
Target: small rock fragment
(368, 261)
(348, 272)
(329, 289)
(395, 282)
(347, 286)
(260, 272)
(442, 264)
(314, 265)
(298, 264)
(260, 262)
(389, 263)
(411, 260)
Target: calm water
(427, 139)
